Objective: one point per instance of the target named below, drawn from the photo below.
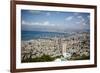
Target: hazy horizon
(54, 21)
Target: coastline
(76, 45)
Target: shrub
(43, 58)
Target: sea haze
(28, 35)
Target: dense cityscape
(74, 47)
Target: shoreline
(54, 46)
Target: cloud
(36, 23)
(78, 22)
(84, 24)
(81, 20)
(45, 23)
(79, 17)
(88, 16)
(76, 13)
(48, 14)
(69, 18)
(25, 22)
(34, 11)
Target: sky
(55, 21)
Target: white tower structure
(63, 49)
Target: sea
(28, 35)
